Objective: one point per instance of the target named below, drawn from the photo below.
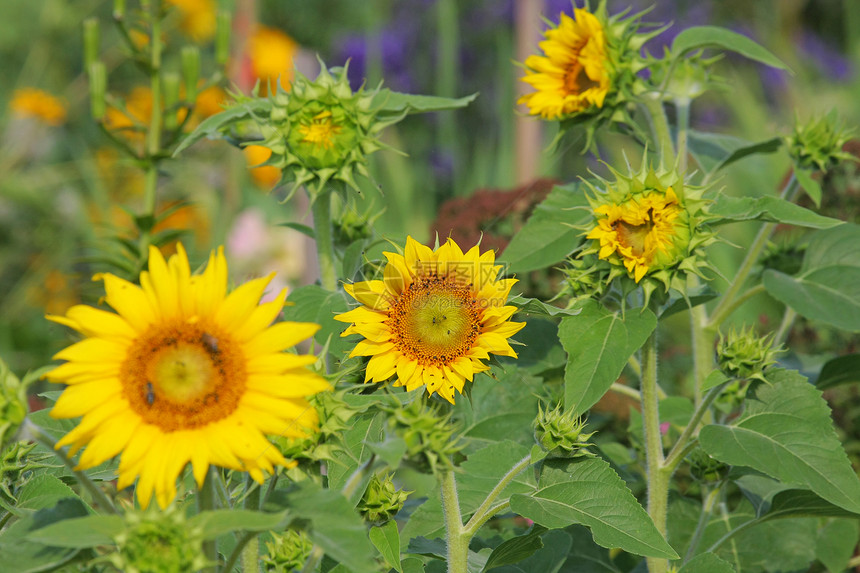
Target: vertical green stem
(251, 553)
(710, 499)
(457, 541)
(206, 502)
(153, 136)
(321, 211)
(658, 480)
(660, 130)
(682, 110)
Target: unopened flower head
(743, 355)
(158, 541)
(817, 144)
(13, 404)
(561, 434)
(321, 132)
(429, 436)
(382, 500)
(287, 551)
(649, 226)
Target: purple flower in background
(395, 47)
(826, 58)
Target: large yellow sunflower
(434, 317)
(183, 372)
(573, 74)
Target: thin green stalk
(321, 211)
(744, 526)
(702, 341)
(239, 551)
(482, 514)
(707, 507)
(660, 129)
(456, 539)
(682, 115)
(206, 502)
(726, 304)
(251, 553)
(153, 140)
(784, 327)
(676, 454)
(658, 480)
(43, 438)
(625, 391)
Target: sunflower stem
(456, 539)
(321, 211)
(43, 438)
(206, 502)
(660, 129)
(153, 135)
(251, 552)
(679, 450)
(710, 499)
(486, 510)
(658, 479)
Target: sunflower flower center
(183, 376)
(321, 131)
(435, 321)
(576, 80)
(635, 237)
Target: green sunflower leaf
(840, 370)
(707, 563)
(770, 209)
(715, 151)
(212, 127)
(699, 37)
(386, 538)
(80, 532)
(598, 343)
(533, 306)
(550, 234)
(587, 491)
(217, 523)
(827, 288)
(397, 103)
(786, 433)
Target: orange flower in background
(38, 104)
(131, 123)
(265, 176)
(209, 101)
(271, 53)
(197, 18)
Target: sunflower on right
(649, 227)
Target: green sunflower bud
(745, 356)
(705, 468)
(321, 443)
(691, 76)
(561, 435)
(817, 144)
(585, 278)
(287, 552)
(16, 464)
(158, 541)
(429, 437)
(649, 227)
(381, 500)
(13, 404)
(321, 132)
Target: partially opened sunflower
(434, 318)
(184, 371)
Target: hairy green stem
(43, 438)
(784, 326)
(321, 211)
(153, 135)
(682, 115)
(660, 129)
(456, 538)
(482, 514)
(206, 502)
(251, 552)
(658, 480)
(625, 391)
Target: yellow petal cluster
(433, 319)
(572, 75)
(183, 372)
(38, 104)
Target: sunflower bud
(91, 41)
(429, 437)
(17, 463)
(381, 500)
(223, 27)
(744, 356)
(287, 552)
(190, 71)
(649, 227)
(817, 144)
(561, 435)
(13, 404)
(321, 132)
(705, 468)
(586, 278)
(158, 541)
(98, 88)
(320, 444)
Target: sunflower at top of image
(433, 319)
(183, 371)
(573, 73)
